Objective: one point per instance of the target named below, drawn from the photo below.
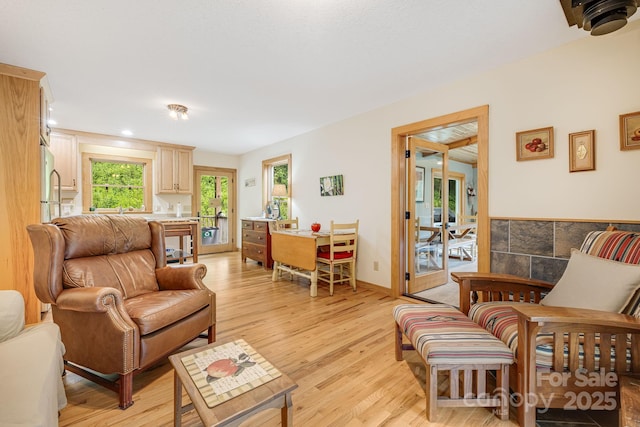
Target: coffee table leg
(177, 400)
(286, 412)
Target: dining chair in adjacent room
(338, 264)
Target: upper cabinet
(174, 171)
(65, 151)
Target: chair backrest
(115, 251)
(343, 240)
(287, 224)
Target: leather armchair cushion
(91, 235)
(155, 310)
(131, 273)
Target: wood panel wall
(19, 180)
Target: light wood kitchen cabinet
(19, 180)
(256, 241)
(65, 151)
(175, 171)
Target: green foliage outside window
(208, 191)
(117, 184)
(281, 176)
(437, 194)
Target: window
(456, 205)
(113, 182)
(277, 171)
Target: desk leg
(177, 400)
(275, 274)
(314, 283)
(286, 413)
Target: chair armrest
(97, 299)
(498, 287)
(185, 276)
(577, 319)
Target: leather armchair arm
(184, 276)
(99, 300)
(498, 287)
(98, 312)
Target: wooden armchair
(565, 356)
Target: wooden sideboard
(256, 241)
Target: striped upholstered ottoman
(447, 340)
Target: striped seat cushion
(444, 335)
(500, 320)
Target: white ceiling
(254, 72)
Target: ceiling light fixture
(177, 111)
(599, 17)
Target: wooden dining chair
(287, 224)
(338, 264)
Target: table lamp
(279, 190)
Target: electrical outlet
(375, 266)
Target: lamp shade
(279, 190)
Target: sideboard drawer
(251, 236)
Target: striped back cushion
(622, 246)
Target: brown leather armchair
(119, 307)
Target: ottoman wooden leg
(398, 343)
(431, 390)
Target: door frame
(398, 189)
(233, 191)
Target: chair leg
(331, 274)
(125, 390)
(211, 334)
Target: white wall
(584, 85)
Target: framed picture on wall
(534, 144)
(630, 131)
(420, 172)
(582, 155)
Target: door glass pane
(428, 237)
(214, 205)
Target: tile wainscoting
(540, 248)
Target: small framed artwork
(420, 171)
(582, 155)
(630, 131)
(332, 185)
(534, 144)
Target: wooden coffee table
(273, 394)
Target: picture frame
(534, 144)
(420, 175)
(630, 131)
(332, 185)
(582, 154)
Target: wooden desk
(273, 394)
(182, 229)
(297, 249)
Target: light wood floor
(338, 349)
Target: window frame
(87, 182)
(267, 179)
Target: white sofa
(31, 367)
